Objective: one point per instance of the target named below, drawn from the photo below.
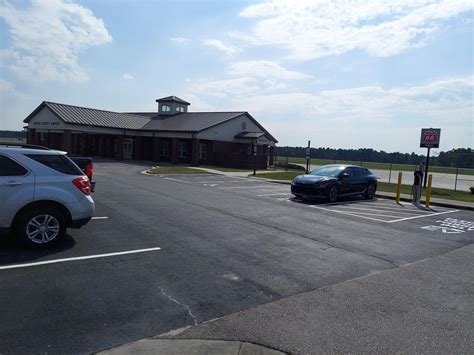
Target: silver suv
(42, 192)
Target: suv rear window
(59, 163)
(10, 168)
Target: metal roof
(150, 121)
(189, 121)
(93, 117)
(251, 135)
(172, 98)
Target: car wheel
(370, 192)
(333, 193)
(40, 227)
(298, 196)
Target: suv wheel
(333, 193)
(370, 192)
(40, 227)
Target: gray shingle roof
(189, 121)
(90, 116)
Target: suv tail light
(88, 170)
(83, 184)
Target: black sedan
(333, 181)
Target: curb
(190, 347)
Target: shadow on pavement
(12, 253)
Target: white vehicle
(42, 192)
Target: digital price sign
(430, 137)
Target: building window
(180, 109)
(183, 150)
(202, 151)
(165, 108)
(164, 149)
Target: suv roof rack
(26, 146)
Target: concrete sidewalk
(423, 307)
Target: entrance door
(127, 148)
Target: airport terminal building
(172, 134)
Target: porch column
(138, 151)
(195, 152)
(67, 141)
(156, 149)
(174, 151)
(119, 147)
(31, 136)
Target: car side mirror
(344, 175)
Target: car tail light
(88, 170)
(83, 184)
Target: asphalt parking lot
(167, 252)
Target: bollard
(428, 191)
(399, 186)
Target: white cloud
(8, 91)
(223, 88)
(314, 29)
(182, 41)
(127, 76)
(218, 44)
(442, 101)
(47, 38)
(264, 68)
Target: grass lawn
(280, 175)
(220, 168)
(435, 192)
(174, 169)
(380, 166)
(386, 187)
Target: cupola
(172, 105)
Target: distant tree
(460, 157)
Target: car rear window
(59, 163)
(10, 168)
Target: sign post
(429, 139)
(308, 156)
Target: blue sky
(366, 75)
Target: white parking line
(379, 209)
(250, 187)
(347, 213)
(17, 266)
(214, 182)
(426, 215)
(186, 182)
(280, 193)
(100, 217)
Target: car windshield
(327, 171)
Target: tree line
(460, 157)
(12, 134)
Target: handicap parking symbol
(451, 226)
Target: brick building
(172, 134)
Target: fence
(452, 178)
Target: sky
(343, 74)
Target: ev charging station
(429, 139)
(417, 184)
